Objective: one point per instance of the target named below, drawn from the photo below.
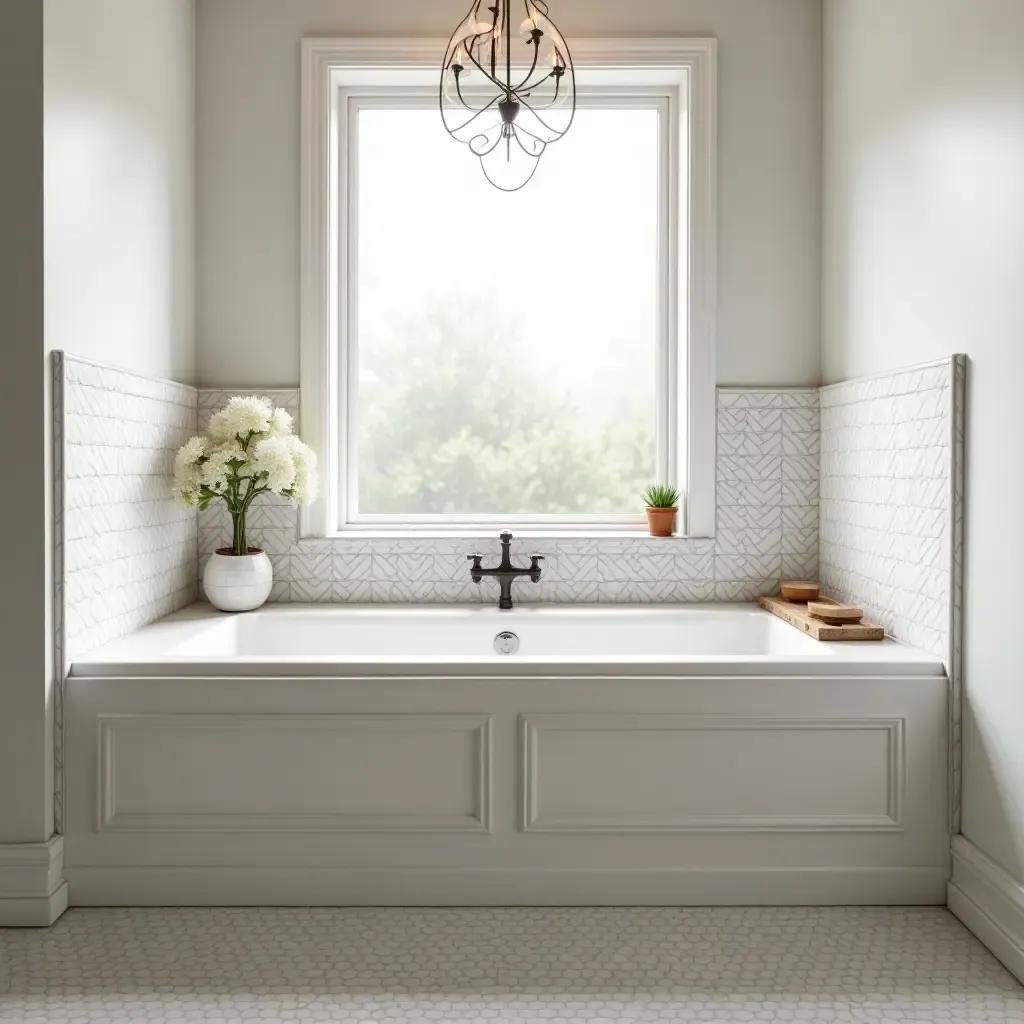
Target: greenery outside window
(495, 358)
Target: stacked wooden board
(796, 614)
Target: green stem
(239, 543)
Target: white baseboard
(33, 892)
(246, 886)
(990, 902)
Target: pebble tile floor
(596, 965)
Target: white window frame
(341, 74)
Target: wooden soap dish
(835, 614)
(800, 592)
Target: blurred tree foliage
(453, 420)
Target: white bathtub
(387, 755)
(308, 640)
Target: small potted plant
(662, 506)
(249, 450)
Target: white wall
(120, 178)
(924, 256)
(25, 754)
(248, 170)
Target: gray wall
(26, 811)
(248, 170)
(924, 256)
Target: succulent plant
(660, 496)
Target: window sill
(475, 533)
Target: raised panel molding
(476, 819)
(535, 819)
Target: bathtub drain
(506, 643)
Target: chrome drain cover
(506, 643)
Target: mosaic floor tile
(594, 965)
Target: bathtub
(311, 640)
(329, 755)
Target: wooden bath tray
(798, 616)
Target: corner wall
(924, 255)
(26, 813)
(97, 113)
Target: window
(472, 357)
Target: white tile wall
(891, 512)
(129, 551)
(767, 467)
(886, 500)
(767, 490)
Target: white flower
(190, 452)
(242, 417)
(186, 471)
(273, 457)
(280, 423)
(304, 490)
(251, 448)
(215, 471)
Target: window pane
(506, 342)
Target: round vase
(238, 583)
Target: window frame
(339, 76)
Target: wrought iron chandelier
(508, 88)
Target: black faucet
(506, 572)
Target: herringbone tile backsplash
(767, 519)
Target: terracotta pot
(238, 583)
(662, 521)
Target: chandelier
(508, 88)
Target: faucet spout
(505, 572)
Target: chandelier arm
(526, 88)
(544, 142)
(467, 123)
(554, 131)
(519, 142)
(491, 148)
(551, 103)
(571, 68)
(533, 66)
(502, 188)
(458, 89)
(449, 53)
(494, 81)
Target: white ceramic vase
(238, 583)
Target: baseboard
(990, 902)
(33, 892)
(247, 886)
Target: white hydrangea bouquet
(250, 449)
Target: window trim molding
(329, 65)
